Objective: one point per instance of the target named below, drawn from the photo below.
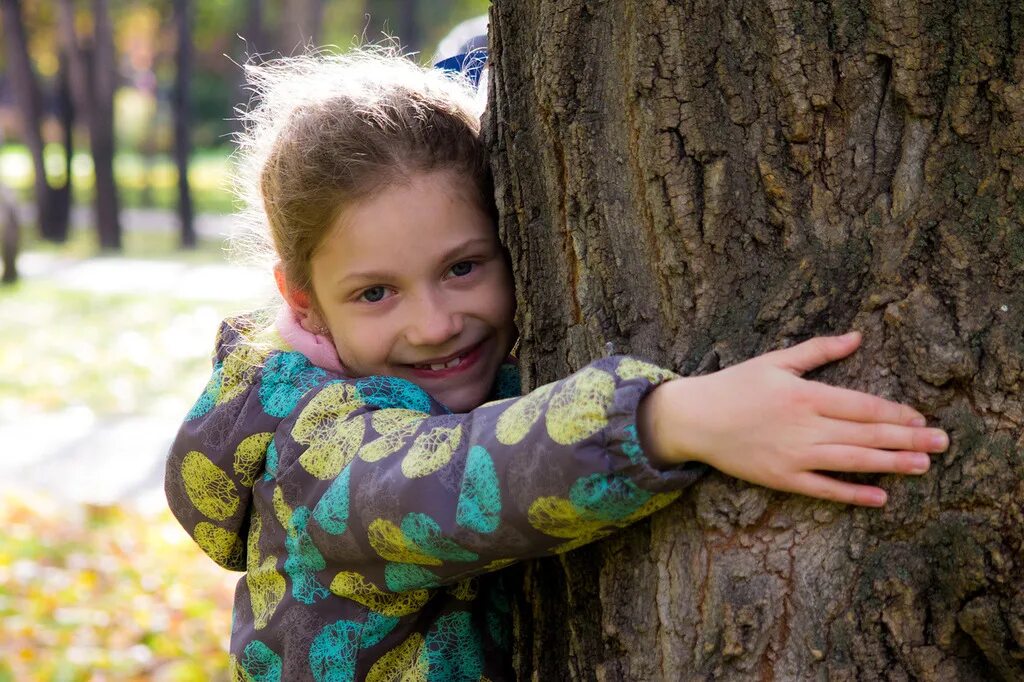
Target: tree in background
(697, 183)
(93, 70)
(301, 24)
(59, 58)
(10, 235)
(183, 119)
(52, 203)
(398, 18)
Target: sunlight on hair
(378, 86)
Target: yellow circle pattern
(249, 457)
(431, 451)
(223, 546)
(392, 545)
(516, 421)
(239, 372)
(332, 440)
(631, 368)
(354, 586)
(266, 584)
(402, 664)
(326, 457)
(395, 427)
(580, 408)
(209, 488)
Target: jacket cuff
(623, 442)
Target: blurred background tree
(107, 102)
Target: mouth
(450, 364)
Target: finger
(854, 406)
(853, 459)
(885, 436)
(827, 488)
(815, 352)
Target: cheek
(361, 344)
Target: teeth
(437, 367)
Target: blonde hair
(326, 131)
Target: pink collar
(318, 349)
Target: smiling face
(413, 283)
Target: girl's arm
(365, 476)
(758, 421)
(398, 495)
(370, 482)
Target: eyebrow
(382, 275)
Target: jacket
(365, 514)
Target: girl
(363, 457)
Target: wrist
(654, 419)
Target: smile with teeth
(438, 366)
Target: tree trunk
(52, 204)
(10, 234)
(66, 113)
(93, 75)
(698, 182)
(103, 82)
(300, 25)
(409, 29)
(397, 19)
(182, 120)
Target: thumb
(815, 352)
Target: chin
(462, 401)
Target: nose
(433, 320)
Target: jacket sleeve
(374, 480)
(226, 441)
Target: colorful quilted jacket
(365, 515)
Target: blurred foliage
(143, 180)
(105, 593)
(145, 45)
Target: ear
(299, 301)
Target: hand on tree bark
(760, 422)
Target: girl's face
(413, 283)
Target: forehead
(406, 224)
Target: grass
(155, 245)
(112, 353)
(142, 181)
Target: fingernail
(918, 421)
(920, 463)
(849, 336)
(940, 441)
(878, 498)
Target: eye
(373, 294)
(462, 268)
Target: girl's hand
(760, 422)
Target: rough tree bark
(698, 182)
